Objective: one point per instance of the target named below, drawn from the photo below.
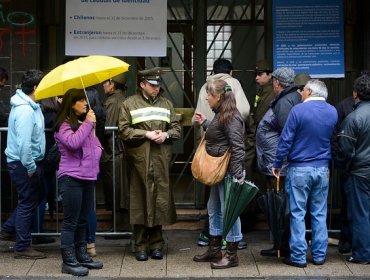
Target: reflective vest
(150, 113)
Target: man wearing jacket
(268, 134)
(353, 158)
(24, 152)
(115, 90)
(305, 143)
(148, 125)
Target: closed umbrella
(274, 204)
(236, 199)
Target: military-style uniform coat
(151, 198)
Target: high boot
(70, 264)
(230, 257)
(213, 254)
(84, 259)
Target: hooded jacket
(241, 100)
(26, 132)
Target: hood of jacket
(20, 98)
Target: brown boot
(213, 254)
(230, 258)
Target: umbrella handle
(277, 183)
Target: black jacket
(353, 142)
(219, 138)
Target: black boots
(70, 264)
(213, 254)
(84, 259)
(230, 257)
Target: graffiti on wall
(17, 23)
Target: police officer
(148, 125)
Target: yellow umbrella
(79, 73)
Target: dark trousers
(358, 194)
(77, 201)
(345, 228)
(148, 237)
(29, 192)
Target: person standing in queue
(225, 131)
(80, 152)
(148, 125)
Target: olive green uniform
(121, 186)
(151, 199)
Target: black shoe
(37, 240)
(319, 262)
(274, 253)
(269, 252)
(352, 260)
(156, 254)
(7, 236)
(289, 262)
(344, 247)
(141, 256)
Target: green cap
(120, 79)
(263, 66)
(152, 76)
(301, 79)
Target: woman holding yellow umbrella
(80, 152)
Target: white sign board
(116, 27)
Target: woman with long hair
(80, 152)
(225, 131)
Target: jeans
(358, 190)
(91, 226)
(29, 192)
(215, 208)
(308, 184)
(78, 201)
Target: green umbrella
(237, 197)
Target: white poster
(116, 27)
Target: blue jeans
(91, 226)
(29, 192)
(358, 196)
(78, 201)
(215, 208)
(308, 184)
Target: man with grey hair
(267, 137)
(305, 142)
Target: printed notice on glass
(116, 27)
(308, 37)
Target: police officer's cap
(152, 76)
(263, 66)
(120, 79)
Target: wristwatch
(168, 136)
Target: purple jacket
(80, 151)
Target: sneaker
(29, 253)
(352, 260)
(7, 236)
(203, 240)
(242, 245)
(37, 240)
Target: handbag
(53, 157)
(207, 169)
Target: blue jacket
(26, 132)
(306, 136)
(269, 128)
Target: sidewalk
(119, 263)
